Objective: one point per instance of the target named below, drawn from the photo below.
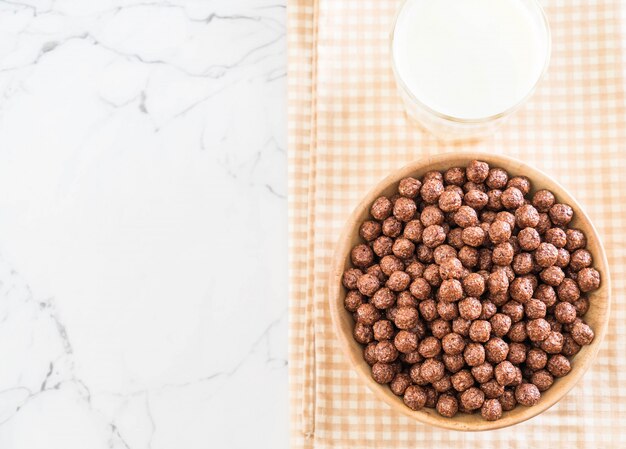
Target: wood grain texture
(597, 316)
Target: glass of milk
(464, 66)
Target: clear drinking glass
(447, 125)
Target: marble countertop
(143, 250)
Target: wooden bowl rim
(464, 422)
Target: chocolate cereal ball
(526, 216)
(472, 398)
(582, 333)
(476, 200)
(503, 254)
(450, 290)
(489, 309)
(450, 201)
(588, 279)
(529, 239)
(447, 405)
(447, 310)
(384, 298)
(363, 333)
(429, 347)
(552, 276)
(400, 383)
(398, 281)
(369, 353)
(405, 341)
(536, 359)
(507, 400)
(455, 176)
(431, 190)
(406, 317)
(521, 289)
(453, 363)
(462, 380)
(546, 294)
(553, 344)
(431, 275)
(420, 288)
(432, 370)
(498, 282)
(381, 208)
(386, 352)
(362, 256)
(474, 285)
(496, 350)
(465, 217)
(563, 258)
(453, 344)
(353, 300)
(383, 330)
(565, 313)
(409, 187)
(534, 309)
(367, 314)
(500, 324)
(479, 331)
(570, 347)
(454, 238)
(494, 200)
(499, 232)
(415, 397)
(512, 198)
(468, 256)
(492, 389)
(473, 236)
(413, 231)
(382, 246)
(443, 253)
(561, 214)
(543, 200)
(411, 358)
(474, 354)
(440, 328)
(491, 410)
(497, 178)
(558, 365)
(451, 268)
(542, 379)
(538, 330)
(568, 290)
(556, 236)
(527, 394)
(350, 278)
(546, 255)
(483, 372)
(477, 171)
(390, 264)
(368, 284)
(403, 248)
(581, 258)
(470, 308)
(428, 309)
(415, 270)
(517, 353)
(505, 373)
(370, 230)
(404, 209)
(431, 215)
(433, 236)
(521, 182)
(392, 227)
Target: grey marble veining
(143, 268)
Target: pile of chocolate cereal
(468, 292)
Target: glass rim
(481, 120)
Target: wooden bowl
(597, 316)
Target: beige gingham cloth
(348, 129)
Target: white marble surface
(143, 262)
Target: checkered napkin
(348, 129)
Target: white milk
(470, 59)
